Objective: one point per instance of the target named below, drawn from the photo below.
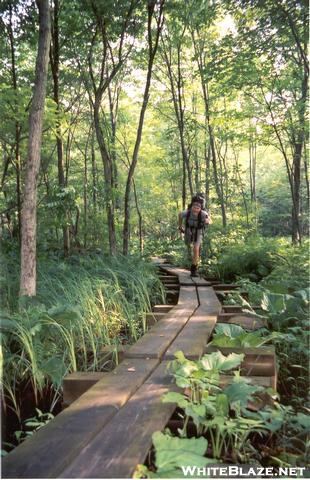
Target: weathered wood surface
(155, 343)
(195, 334)
(237, 308)
(200, 282)
(244, 320)
(225, 286)
(259, 381)
(162, 308)
(126, 440)
(152, 318)
(77, 383)
(171, 286)
(55, 445)
(182, 274)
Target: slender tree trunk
(201, 67)
(141, 241)
(107, 176)
(153, 45)
(183, 184)
(17, 125)
(94, 172)
(54, 58)
(29, 210)
(176, 87)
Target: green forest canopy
(225, 116)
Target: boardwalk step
(47, 453)
(126, 440)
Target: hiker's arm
(208, 220)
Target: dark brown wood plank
(195, 334)
(162, 308)
(54, 446)
(152, 318)
(225, 286)
(245, 321)
(201, 282)
(237, 308)
(259, 381)
(155, 343)
(77, 383)
(182, 274)
(125, 441)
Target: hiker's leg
(196, 251)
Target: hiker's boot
(194, 271)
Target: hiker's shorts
(188, 240)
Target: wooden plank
(54, 446)
(154, 343)
(201, 282)
(182, 274)
(259, 361)
(225, 286)
(238, 308)
(77, 383)
(245, 321)
(162, 308)
(254, 380)
(242, 293)
(126, 440)
(152, 318)
(194, 336)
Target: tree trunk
(152, 44)
(29, 210)
(107, 167)
(17, 125)
(54, 58)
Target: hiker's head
(197, 203)
(196, 207)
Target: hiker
(195, 219)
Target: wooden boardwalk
(108, 430)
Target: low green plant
(222, 414)
(230, 335)
(173, 453)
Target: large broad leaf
(241, 392)
(174, 452)
(302, 420)
(219, 362)
(273, 302)
(228, 329)
(175, 397)
(197, 412)
(304, 294)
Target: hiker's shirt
(193, 234)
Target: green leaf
(218, 361)
(174, 397)
(241, 392)
(174, 452)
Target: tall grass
(82, 305)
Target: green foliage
(225, 417)
(82, 305)
(227, 335)
(252, 257)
